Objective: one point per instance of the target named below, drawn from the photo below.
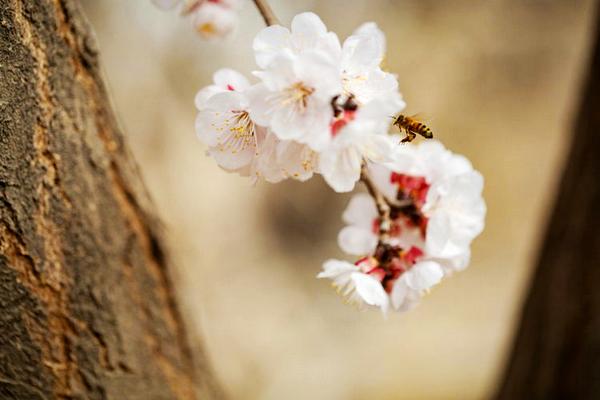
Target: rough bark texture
(87, 309)
(556, 354)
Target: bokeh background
(501, 81)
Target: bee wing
(421, 117)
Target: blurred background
(501, 81)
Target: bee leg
(410, 136)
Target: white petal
(456, 214)
(381, 176)
(319, 71)
(260, 108)
(333, 268)
(361, 211)
(232, 141)
(403, 297)
(341, 274)
(229, 79)
(375, 85)
(213, 21)
(456, 263)
(296, 160)
(438, 236)
(310, 33)
(371, 291)
(360, 53)
(268, 43)
(280, 74)
(357, 241)
(267, 164)
(399, 293)
(206, 120)
(231, 160)
(309, 126)
(204, 94)
(341, 168)
(308, 24)
(423, 275)
(372, 30)
(377, 148)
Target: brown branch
(266, 12)
(383, 207)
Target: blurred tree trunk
(87, 305)
(556, 354)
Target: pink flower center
(411, 187)
(395, 229)
(231, 88)
(389, 263)
(414, 189)
(337, 124)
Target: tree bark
(556, 354)
(87, 304)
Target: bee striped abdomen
(412, 127)
(424, 131)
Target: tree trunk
(556, 354)
(87, 306)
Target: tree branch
(266, 12)
(382, 204)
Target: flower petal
(340, 168)
(371, 291)
(361, 211)
(403, 298)
(268, 43)
(229, 79)
(423, 275)
(308, 24)
(333, 268)
(357, 241)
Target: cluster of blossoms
(320, 106)
(325, 107)
(210, 18)
(435, 210)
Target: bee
(411, 126)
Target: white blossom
(237, 143)
(308, 33)
(294, 98)
(454, 206)
(360, 64)
(408, 289)
(214, 20)
(224, 124)
(224, 80)
(211, 18)
(322, 107)
(367, 283)
(357, 286)
(362, 136)
(282, 159)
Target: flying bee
(412, 126)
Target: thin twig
(266, 12)
(383, 208)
